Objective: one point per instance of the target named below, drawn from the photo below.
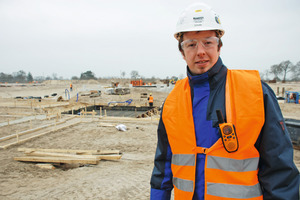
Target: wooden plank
(97, 157)
(57, 160)
(109, 157)
(85, 112)
(101, 152)
(44, 154)
(79, 152)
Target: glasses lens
(189, 44)
(210, 42)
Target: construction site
(96, 140)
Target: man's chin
(201, 70)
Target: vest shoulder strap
(244, 96)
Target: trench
(115, 111)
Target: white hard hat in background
(198, 17)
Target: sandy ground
(127, 178)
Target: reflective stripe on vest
(233, 165)
(227, 175)
(214, 162)
(184, 185)
(183, 159)
(234, 191)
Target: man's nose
(200, 49)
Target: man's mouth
(201, 62)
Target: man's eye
(208, 42)
(191, 44)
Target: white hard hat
(198, 17)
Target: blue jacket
(278, 175)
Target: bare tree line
(23, 77)
(284, 71)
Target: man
(254, 160)
(150, 100)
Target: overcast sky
(69, 37)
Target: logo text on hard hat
(198, 10)
(198, 19)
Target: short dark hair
(180, 35)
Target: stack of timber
(67, 156)
(149, 113)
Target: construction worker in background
(71, 87)
(150, 100)
(221, 134)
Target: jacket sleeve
(161, 180)
(278, 175)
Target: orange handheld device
(228, 134)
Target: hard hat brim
(178, 34)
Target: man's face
(200, 59)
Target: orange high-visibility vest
(227, 175)
(150, 99)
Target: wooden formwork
(27, 135)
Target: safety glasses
(207, 43)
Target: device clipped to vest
(228, 134)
